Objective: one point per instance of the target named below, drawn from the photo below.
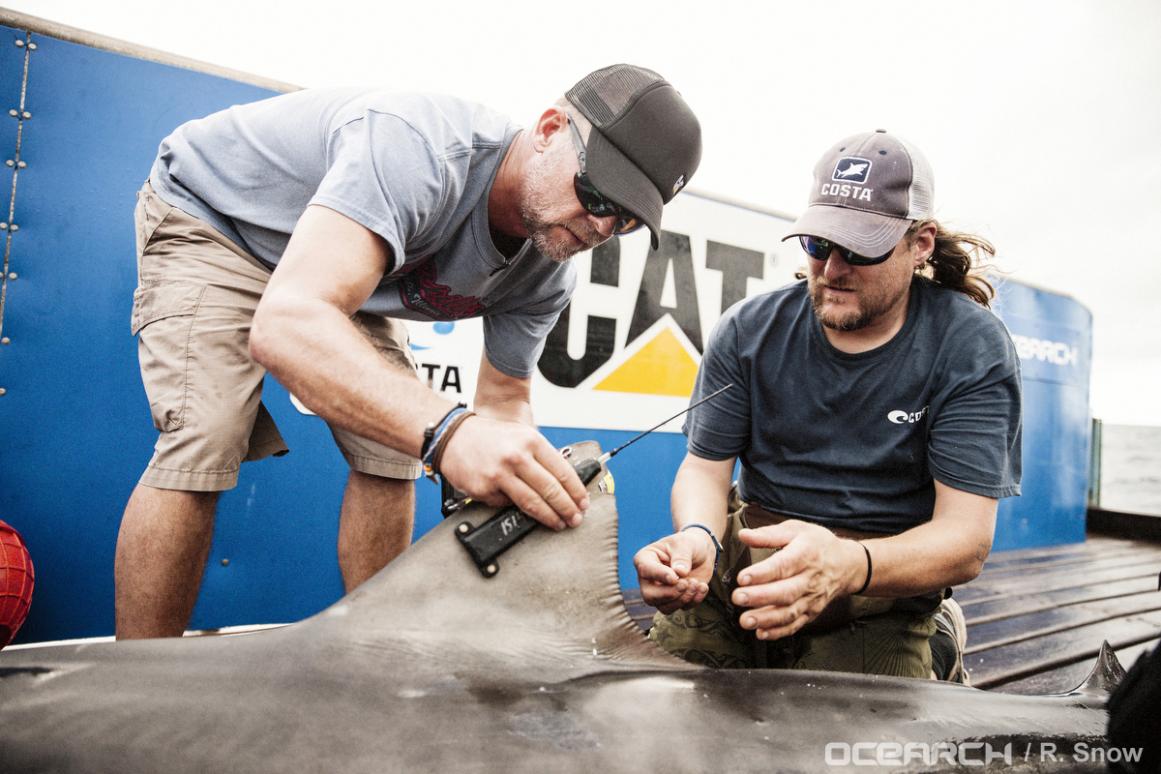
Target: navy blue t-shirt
(854, 441)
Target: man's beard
(553, 249)
(869, 308)
(536, 202)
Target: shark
(853, 170)
(535, 665)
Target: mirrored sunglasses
(593, 200)
(820, 249)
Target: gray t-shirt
(415, 169)
(855, 440)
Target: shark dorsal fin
(1106, 674)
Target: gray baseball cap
(646, 142)
(868, 188)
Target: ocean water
(1131, 469)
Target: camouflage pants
(874, 636)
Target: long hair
(958, 262)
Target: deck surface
(1036, 617)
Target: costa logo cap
(868, 188)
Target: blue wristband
(431, 436)
(713, 537)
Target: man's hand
(498, 462)
(791, 588)
(675, 571)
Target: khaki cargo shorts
(192, 310)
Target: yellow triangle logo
(661, 367)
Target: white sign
(626, 351)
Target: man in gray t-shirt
(291, 235)
(875, 409)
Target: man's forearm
(501, 396)
(512, 410)
(923, 559)
(307, 343)
(946, 551)
(700, 495)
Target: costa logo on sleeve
(851, 169)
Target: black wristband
(713, 537)
(867, 582)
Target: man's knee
(389, 493)
(705, 634)
(169, 508)
(375, 504)
(892, 644)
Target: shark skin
(429, 666)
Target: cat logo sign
(628, 346)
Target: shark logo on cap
(680, 182)
(851, 169)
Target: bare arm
(789, 589)
(946, 551)
(701, 493)
(501, 396)
(674, 572)
(302, 333)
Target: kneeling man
(876, 414)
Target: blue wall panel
(74, 419)
(1053, 334)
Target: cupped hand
(499, 462)
(675, 571)
(792, 587)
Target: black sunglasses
(593, 200)
(819, 250)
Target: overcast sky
(1042, 120)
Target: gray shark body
(430, 666)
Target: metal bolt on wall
(22, 114)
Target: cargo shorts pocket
(163, 318)
(151, 211)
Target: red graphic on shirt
(420, 291)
